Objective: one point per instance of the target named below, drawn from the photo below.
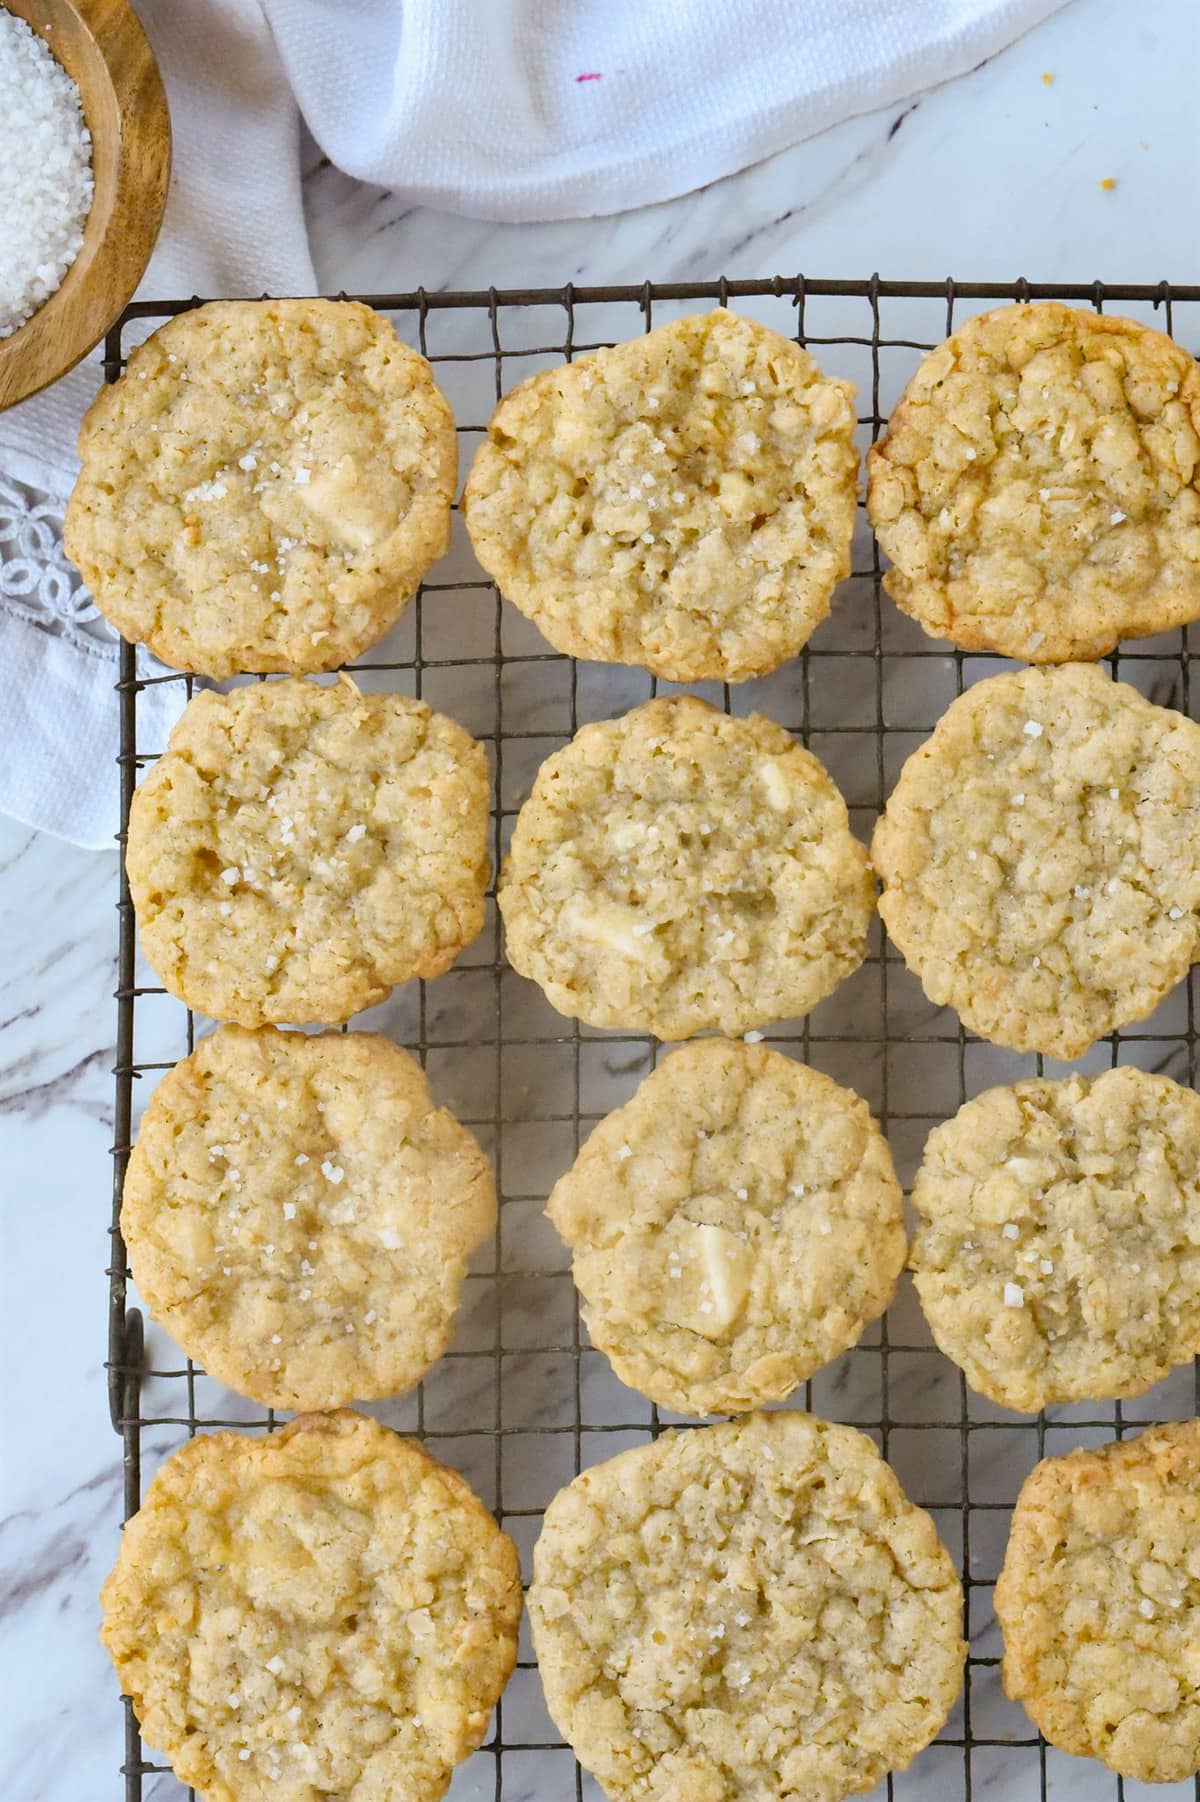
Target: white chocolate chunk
(608, 923)
(774, 782)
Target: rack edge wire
(125, 1327)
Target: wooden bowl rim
(128, 235)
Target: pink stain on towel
(594, 76)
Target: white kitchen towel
(502, 109)
(559, 109)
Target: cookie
(1040, 857)
(1058, 1254)
(684, 502)
(325, 1611)
(265, 486)
(743, 1613)
(676, 870)
(734, 1227)
(1099, 1603)
(1038, 486)
(301, 848)
(298, 1214)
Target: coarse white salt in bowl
(45, 173)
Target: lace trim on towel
(36, 579)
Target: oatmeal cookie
(1040, 857)
(264, 487)
(744, 1613)
(675, 870)
(684, 502)
(1058, 1254)
(301, 848)
(1038, 486)
(299, 1214)
(325, 1611)
(734, 1226)
(1099, 1603)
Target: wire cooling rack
(521, 1402)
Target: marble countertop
(992, 177)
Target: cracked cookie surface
(734, 1226)
(322, 1611)
(298, 1214)
(684, 501)
(1099, 1603)
(676, 870)
(743, 1613)
(1040, 856)
(265, 486)
(1058, 1254)
(300, 848)
(1038, 485)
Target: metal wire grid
(531, 1084)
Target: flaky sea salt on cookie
(322, 1612)
(1099, 1603)
(750, 1612)
(676, 870)
(734, 1226)
(684, 501)
(298, 1214)
(265, 486)
(300, 848)
(1040, 856)
(1038, 486)
(1058, 1253)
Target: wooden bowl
(102, 46)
